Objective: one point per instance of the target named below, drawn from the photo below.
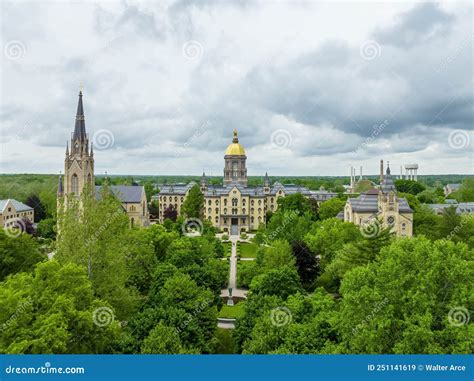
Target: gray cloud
(263, 67)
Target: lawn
(225, 341)
(248, 250)
(232, 312)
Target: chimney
(381, 171)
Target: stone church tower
(235, 170)
(79, 162)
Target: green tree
(193, 204)
(140, 260)
(149, 190)
(54, 311)
(331, 208)
(281, 282)
(328, 236)
(466, 192)
(294, 202)
(449, 221)
(307, 263)
(361, 252)
(404, 301)
(46, 228)
(426, 222)
(409, 186)
(278, 255)
(306, 324)
(162, 340)
(93, 233)
(17, 254)
(39, 209)
(287, 225)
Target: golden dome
(235, 148)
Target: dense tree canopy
(18, 253)
(54, 311)
(193, 204)
(331, 208)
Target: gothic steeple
(80, 128)
(388, 184)
(203, 182)
(78, 163)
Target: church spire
(80, 128)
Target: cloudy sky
(312, 87)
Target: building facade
(13, 211)
(381, 205)
(79, 175)
(232, 207)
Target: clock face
(390, 220)
(77, 145)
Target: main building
(233, 207)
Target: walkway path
(233, 273)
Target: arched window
(143, 207)
(217, 219)
(210, 202)
(235, 172)
(225, 202)
(209, 211)
(132, 222)
(89, 179)
(217, 210)
(252, 202)
(75, 184)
